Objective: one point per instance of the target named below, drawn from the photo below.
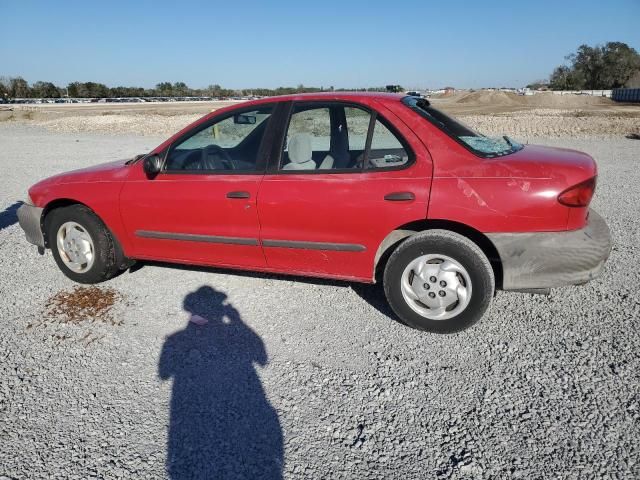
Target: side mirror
(152, 165)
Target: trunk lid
(537, 161)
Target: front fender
(103, 198)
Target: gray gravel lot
(312, 375)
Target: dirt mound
(551, 100)
(539, 100)
(488, 97)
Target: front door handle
(399, 196)
(238, 195)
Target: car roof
(356, 97)
(327, 96)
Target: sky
(244, 44)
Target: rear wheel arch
(122, 260)
(397, 236)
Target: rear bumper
(553, 259)
(29, 219)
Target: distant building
(449, 90)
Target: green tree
(19, 88)
(634, 81)
(588, 64)
(164, 89)
(73, 89)
(599, 67)
(180, 89)
(45, 90)
(566, 78)
(621, 62)
(96, 90)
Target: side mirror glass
(152, 165)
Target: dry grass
(83, 304)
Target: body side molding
(341, 247)
(192, 237)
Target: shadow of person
(222, 426)
(9, 215)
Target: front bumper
(29, 218)
(544, 260)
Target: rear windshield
(482, 146)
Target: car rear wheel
(439, 281)
(81, 244)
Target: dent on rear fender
(502, 204)
(469, 192)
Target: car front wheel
(81, 244)
(439, 281)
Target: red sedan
(359, 187)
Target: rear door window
(334, 137)
(386, 149)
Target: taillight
(579, 195)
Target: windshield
(482, 146)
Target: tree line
(601, 67)
(18, 87)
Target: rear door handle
(399, 196)
(238, 195)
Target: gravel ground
(548, 123)
(311, 375)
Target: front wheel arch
(122, 260)
(403, 232)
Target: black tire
(457, 247)
(104, 264)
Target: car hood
(103, 172)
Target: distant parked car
(357, 187)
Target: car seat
(300, 153)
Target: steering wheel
(216, 150)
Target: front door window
(230, 145)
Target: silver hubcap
(436, 287)
(75, 247)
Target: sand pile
(542, 100)
(551, 100)
(488, 98)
